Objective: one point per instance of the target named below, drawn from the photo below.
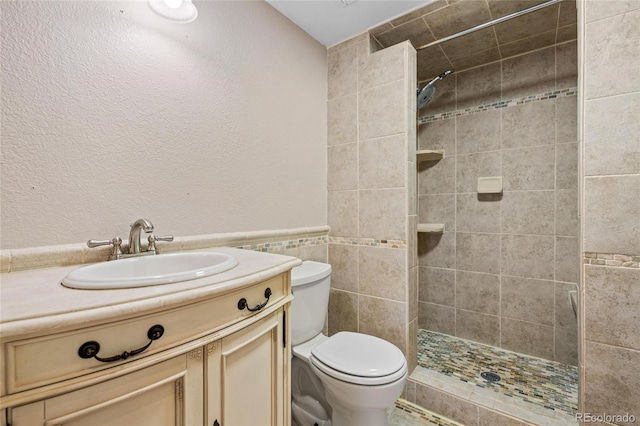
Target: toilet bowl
(348, 379)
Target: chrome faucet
(134, 234)
(134, 241)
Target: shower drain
(490, 377)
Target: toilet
(348, 379)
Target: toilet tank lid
(308, 272)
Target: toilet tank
(310, 284)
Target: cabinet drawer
(43, 360)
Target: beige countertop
(34, 301)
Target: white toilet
(348, 379)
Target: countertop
(34, 301)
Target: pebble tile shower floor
(545, 387)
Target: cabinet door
(168, 393)
(246, 376)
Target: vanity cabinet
(215, 364)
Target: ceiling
(333, 21)
(391, 22)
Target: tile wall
(501, 271)
(610, 128)
(371, 183)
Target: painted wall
(111, 113)
(610, 133)
(501, 272)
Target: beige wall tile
(412, 339)
(566, 33)
(479, 86)
(341, 216)
(383, 214)
(439, 318)
(566, 346)
(5, 261)
(611, 305)
(466, 45)
(540, 21)
(529, 124)
(567, 212)
(412, 189)
(440, 134)
(344, 267)
(478, 252)
(530, 73)
(612, 135)
(528, 212)
(476, 59)
(470, 167)
(342, 167)
(567, 259)
(478, 327)
(567, 61)
(457, 17)
(478, 292)
(611, 382)
(412, 294)
(494, 418)
(415, 30)
(385, 319)
(342, 72)
(478, 132)
(438, 208)
(524, 45)
(445, 98)
(342, 122)
(382, 272)
(567, 166)
(437, 177)
(382, 163)
(528, 299)
(355, 40)
(437, 285)
(382, 67)
(567, 119)
(447, 404)
(437, 250)
(381, 111)
(597, 10)
(343, 311)
(528, 168)
(609, 44)
(528, 256)
(477, 213)
(412, 242)
(527, 338)
(612, 208)
(317, 252)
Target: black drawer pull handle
(242, 303)
(91, 349)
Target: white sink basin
(149, 270)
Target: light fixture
(182, 11)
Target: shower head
(426, 93)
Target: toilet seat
(359, 359)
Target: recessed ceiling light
(182, 11)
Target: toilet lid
(358, 354)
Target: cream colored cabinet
(217, 363)
(245, 380)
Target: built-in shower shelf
(434, 228)
(429, 155)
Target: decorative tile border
(609, 259)
(421, 415)
(278, 246)
(573, 91)
(369, 242)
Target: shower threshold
(531, 389)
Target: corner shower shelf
(429, 155)
(434, 228)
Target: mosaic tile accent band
(547, 384)
(609, 259)
(369, 242)
(573, 91)
(422, 415)
(277, 246)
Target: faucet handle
(115, 242)
(153, 238)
